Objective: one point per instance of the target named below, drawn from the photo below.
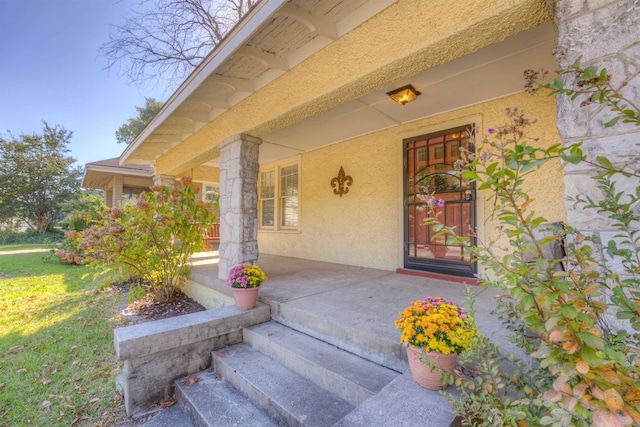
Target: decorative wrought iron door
(429, 172)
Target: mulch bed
(146, 308)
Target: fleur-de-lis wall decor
(341, 183)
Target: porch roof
(98, 174)
(289, 69)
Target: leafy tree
(128, 131)
(168, 38)
(37, 177)
(83, 210)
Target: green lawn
(57, 361)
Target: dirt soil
(146, 309)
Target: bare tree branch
(164, 40)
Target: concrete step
(351, 377)
(403, 403)
(373, 347)
(286, 396)
(205, 276)
(169, 417)
(212, 401)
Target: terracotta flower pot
(421, 372)
(245, 298)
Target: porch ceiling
(309, 73)
(493, 72)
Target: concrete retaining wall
(157, 353)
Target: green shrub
(579, 371)
(8, 237)
(87, 211)
(151, 240)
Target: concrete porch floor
(354, 309)
(363, 299)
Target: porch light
(404, 94)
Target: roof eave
(238, 36)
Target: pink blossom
(440, 203)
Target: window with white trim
(267, 198)
(210, 193)
(278, 198)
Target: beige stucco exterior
(333, 87)
(365, 226)
(408, 40)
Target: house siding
(365, 226)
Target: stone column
(165, 181)
(602, 33)
(238, 202)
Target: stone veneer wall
(238, 202)
(604, 33)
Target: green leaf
(572, 158)
(491, 168)
(625, 315)
(569, 311)
(612, 122)
(527, 302)
(558, 83)
(591, 340)
(603, 161)
(590, 356)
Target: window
(289, 196)
(267, 198)
(278, 198)
(210, 193)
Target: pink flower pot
(421, 372)
(245, 298)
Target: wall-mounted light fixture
(341, 183)
(404, 94)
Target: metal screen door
(429, 165)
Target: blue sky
(50, 70)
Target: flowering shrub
(582, 369)
(437, 325)
(70, 250)
(86, 211)
(246, 276)
(151, 240)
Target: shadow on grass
(57, 356)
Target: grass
(56, 344)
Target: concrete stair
(351, 377)
(289, 398)
(213, 401)
(304, 368)
(279, 376)
(296, 379)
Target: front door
(429, 172)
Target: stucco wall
(364, 227)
